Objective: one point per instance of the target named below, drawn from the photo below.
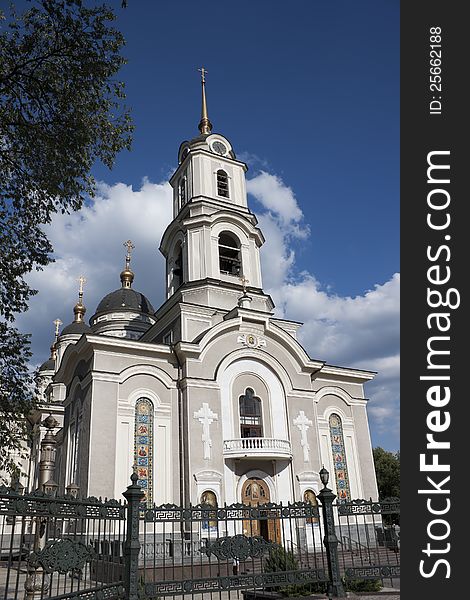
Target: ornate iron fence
(369, 534)
(231, 548)
(60, 547)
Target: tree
(387, 469)
(60, 112)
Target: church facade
(210, 397)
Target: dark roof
(76, 328)
(49, 365)
(125, 298)
(199, 138)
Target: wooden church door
(256, 492)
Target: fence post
(326, 496)
(134, 496)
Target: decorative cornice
(357, 375)
(208, 476)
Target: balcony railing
(256, 447)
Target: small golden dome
(79, 311)
(127, 277)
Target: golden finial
(79, 310)
(127, 276)
(205, 126)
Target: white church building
(210, 397)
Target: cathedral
(208, 398)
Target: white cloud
(90, 242)
(280, 202)
(252, 160)
(359, 331)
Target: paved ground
(384, 594)
(376, 596)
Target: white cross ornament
(206, 417)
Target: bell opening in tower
(229, 255)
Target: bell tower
(212, 245)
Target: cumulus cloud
(279, 201)
(360, 331)
(281, 221)
(90, 242)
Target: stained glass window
(143, 447)
(339, 458)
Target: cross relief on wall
(206, 417)
(303, 424)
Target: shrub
(281, 560)
(362, 585)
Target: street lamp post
(37, 582)
(326, 497)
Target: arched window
(339, 458)
(310, 497)
(143, 446)
(222, 184)
(74, 447)
(176, 278)
(229, 255)
(251, 419)
(182, 192)
(209, 499)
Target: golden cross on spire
(81, 280)
(244, 281)
(203, 72)
(130, 246)
(57, 324)
(205, 126)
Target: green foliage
(387, 468)
(60, 112)
(362, 585)
(280, 559)
(17, 397)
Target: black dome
(125, 298)
(76, 328)
(49, 365)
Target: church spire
(127, 276)
(79, 309)
(205, 126)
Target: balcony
(256, 447)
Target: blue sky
(309, 87)
(308, 94)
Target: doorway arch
(255, 492)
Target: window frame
(251, 422)
(235, 262)
(222, 184)
(182, 191)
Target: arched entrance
(255, 492)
